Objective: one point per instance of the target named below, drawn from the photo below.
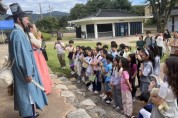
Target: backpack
(70, 55)
(153, 43)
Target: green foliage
(62, 22)
(138, 9)
(92, 6)
(150, 22)
(52, 24)
(47, 24)
(161, 8)
(46, 36)
(79, 11)
(53, 62)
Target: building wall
(172, 24)
(176, 23)
(119, 28)
(148, 10)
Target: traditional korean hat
(17, 11)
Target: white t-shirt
(167, 94)
(59, 47)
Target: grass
(53, 62)
(52, 54)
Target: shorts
(108, 87)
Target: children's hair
(59, 38)
(125, 64)
(117, 58)
(172, 66)
(113, 42)
(71, 41)
(141, 36)
(122, 46)
(150, 54)
(97, 49)
(83, 48)
(148, 32)
(105, 46)
(105, 51)
(156, 51)
(133, 59)
(88, 48)
(109, 57)
(114, 45)
(98, 43)
(128, 47)
(77, 46)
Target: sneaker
(90, 88)
(114, 106)
(72, 72)
(102, 95)
(108, 101)
(117, 108)
(112, 101)
(96, 92)
(78, 82)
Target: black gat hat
(17, 11)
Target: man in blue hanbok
(26, 94)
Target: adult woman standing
(168, 91)
(174, 45)
(40, 60)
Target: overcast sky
(58, 5)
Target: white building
(172, 24)
(109, 23)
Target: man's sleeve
(23, 55)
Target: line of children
(113, 73)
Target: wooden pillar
(96, 31)
(128, 28)
(113, 30)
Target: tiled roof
(112, 13)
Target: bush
(46, 36)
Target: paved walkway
(57, 107)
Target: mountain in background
(35, 17)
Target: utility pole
(41, 11)
(50, 9)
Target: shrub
(46, 36)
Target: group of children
(112, 72)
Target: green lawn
(52, 55)
(53, 62)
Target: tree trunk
(159, 25)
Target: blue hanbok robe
(21, 52)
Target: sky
(57, 5)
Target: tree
(92, 6)
(79, 11)
(161, 12)
(62, 22)
(138, 9)
(122, 5)
(47, 24)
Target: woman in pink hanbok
(40, 60)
